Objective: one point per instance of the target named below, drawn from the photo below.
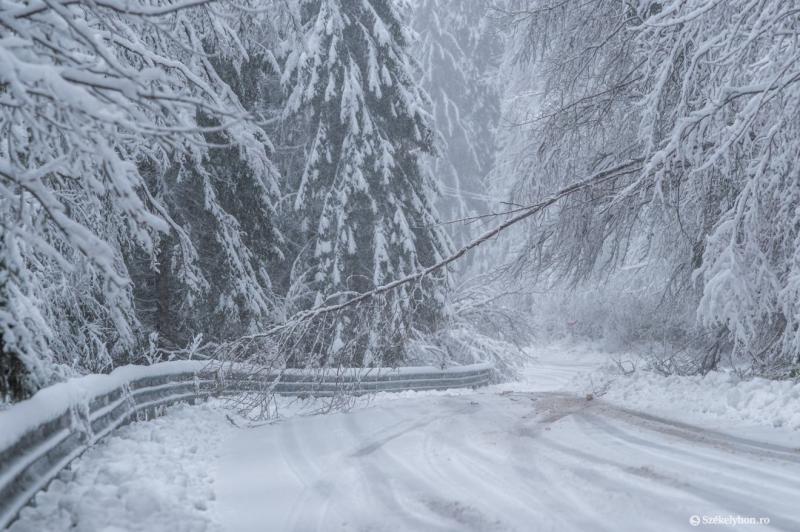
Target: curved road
(501, 461)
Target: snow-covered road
(486, 461)
(527, 456)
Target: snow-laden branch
(103, 105)
(708, 93)
(596, 179)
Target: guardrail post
(196, 383)
(219, 382)
(79, 421)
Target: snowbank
(151, 476)
(718, 395)
(720, 398)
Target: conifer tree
(364, 201)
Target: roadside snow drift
(719, 395)
(153, 476)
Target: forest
(325, 183)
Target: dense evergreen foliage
(144, 204)
(364, 201)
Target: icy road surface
(527, 456)
(519, 461)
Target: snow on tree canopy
(364, 198)
(703, 97)
(97, 102)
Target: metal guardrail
(33, 456)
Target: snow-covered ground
(151, 476)
(715, 397)
(768, 410)
(533, 455)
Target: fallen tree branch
(523, 213)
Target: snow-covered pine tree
(210, 275)
(364, 201)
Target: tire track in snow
(380, 470)
(723, 501)
(524, 461)
(453, 463)
(736, 467)
(703, 436)
(720, 486)
(539, 498)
